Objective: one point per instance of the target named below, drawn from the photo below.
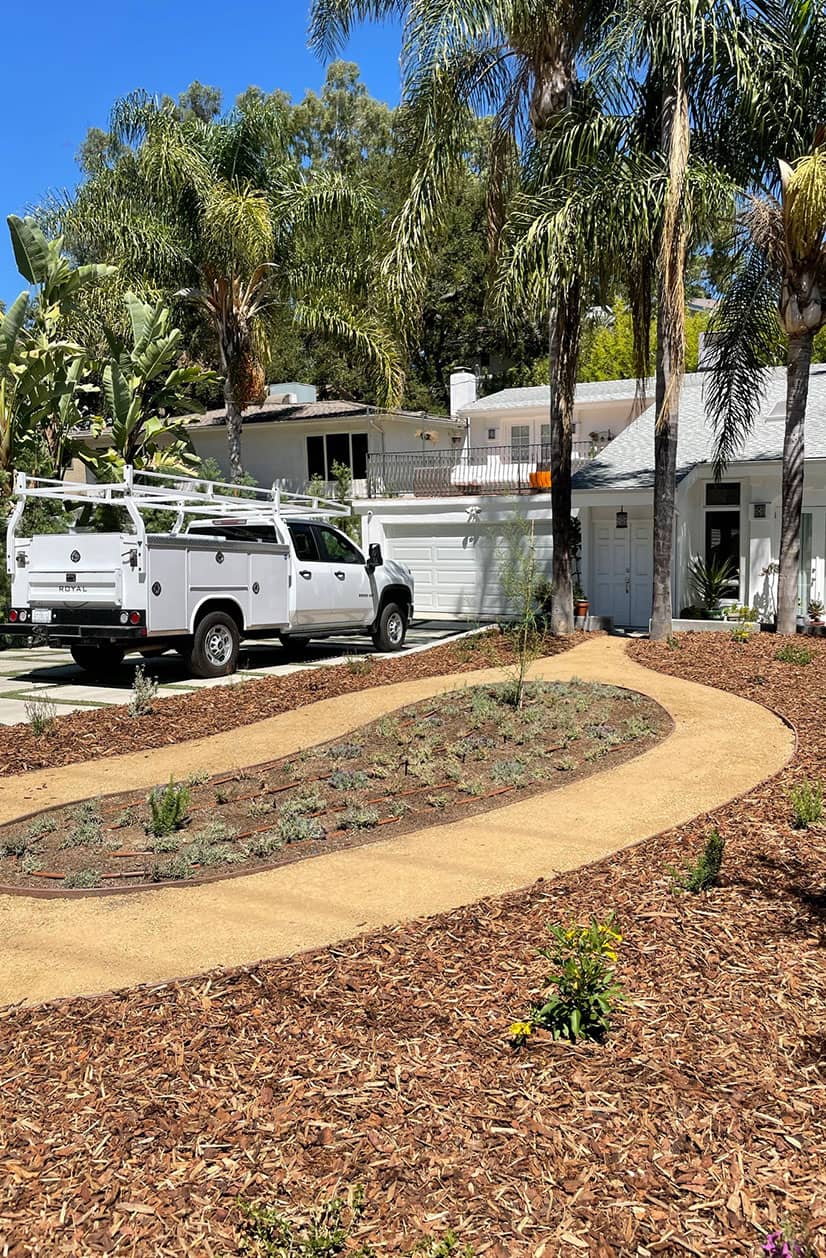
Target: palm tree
(680, 49)
(513, 60)
(220, 213)
(773, 304)
(779, 291)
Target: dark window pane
(723, 542)
(359, 455)
(723, 494)
(303, 540)
(335, 548)
(315, 458)
(338, 450)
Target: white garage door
(458, 568)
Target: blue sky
(62, 66)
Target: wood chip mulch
(95, 733)
(131, 1124)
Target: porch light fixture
(622, 518)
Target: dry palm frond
(762, 223)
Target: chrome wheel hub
(218, 646)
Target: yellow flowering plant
(584, 994)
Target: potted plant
(816, 611)
(580, 601)
(712, 581)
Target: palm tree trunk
(234, 424)
(670, 347)
(563, 356)
(797, 393)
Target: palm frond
(742, 343)
(360, 332)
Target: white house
(455, 538)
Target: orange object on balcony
(539, 480)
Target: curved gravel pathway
(721, 747)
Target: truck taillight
(134, 618)
(12, 615)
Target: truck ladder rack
(157, 491)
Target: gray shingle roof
(272, 410)
(628, 462)
(540, 395)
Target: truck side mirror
(374, 556)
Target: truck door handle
(340, 575)
(305, 573)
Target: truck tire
(98, 658)
(215, 645)
(390, 628)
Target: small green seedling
(168, 808)
(705, 872)
(807, 804)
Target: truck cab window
(335, 548)
(303, 543)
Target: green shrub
(86, 830)
(673, 643)
(705, 872)
(263, 845)
(168, 808)
(584, 994)
(358, 818)
(347, 780)
(740, 634)
(359, 665)
(41, 714)
(267, 1231)
(792, 653)
(18, 845)
(31, 864)
(46, 824)
(260, 807)
(83, 878)
(304, 801)
(296, 828)
(144, 692)
(807, 804)
(197, 777)
(344, 751)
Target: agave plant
(712, 579)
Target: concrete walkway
(721, 747)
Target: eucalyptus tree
(219, 212)
(775, 300)
(515, 61)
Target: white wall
(278, 451)
(599, 417)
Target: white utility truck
(233, 565)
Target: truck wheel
(390, 628)
(215, 644)
(100, 658)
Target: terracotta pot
(581, 607)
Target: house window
(349, 448)
(491, 434)
(520, 443)
(545, 439)
(723, 494)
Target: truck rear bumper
(60, 635)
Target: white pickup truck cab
(229, 568)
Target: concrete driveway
(39, 674)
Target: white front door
(622, 572)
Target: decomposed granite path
(721, 746)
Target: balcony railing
(474, 470)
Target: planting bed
(436, 761)
(133, 1123)
(88, 735)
